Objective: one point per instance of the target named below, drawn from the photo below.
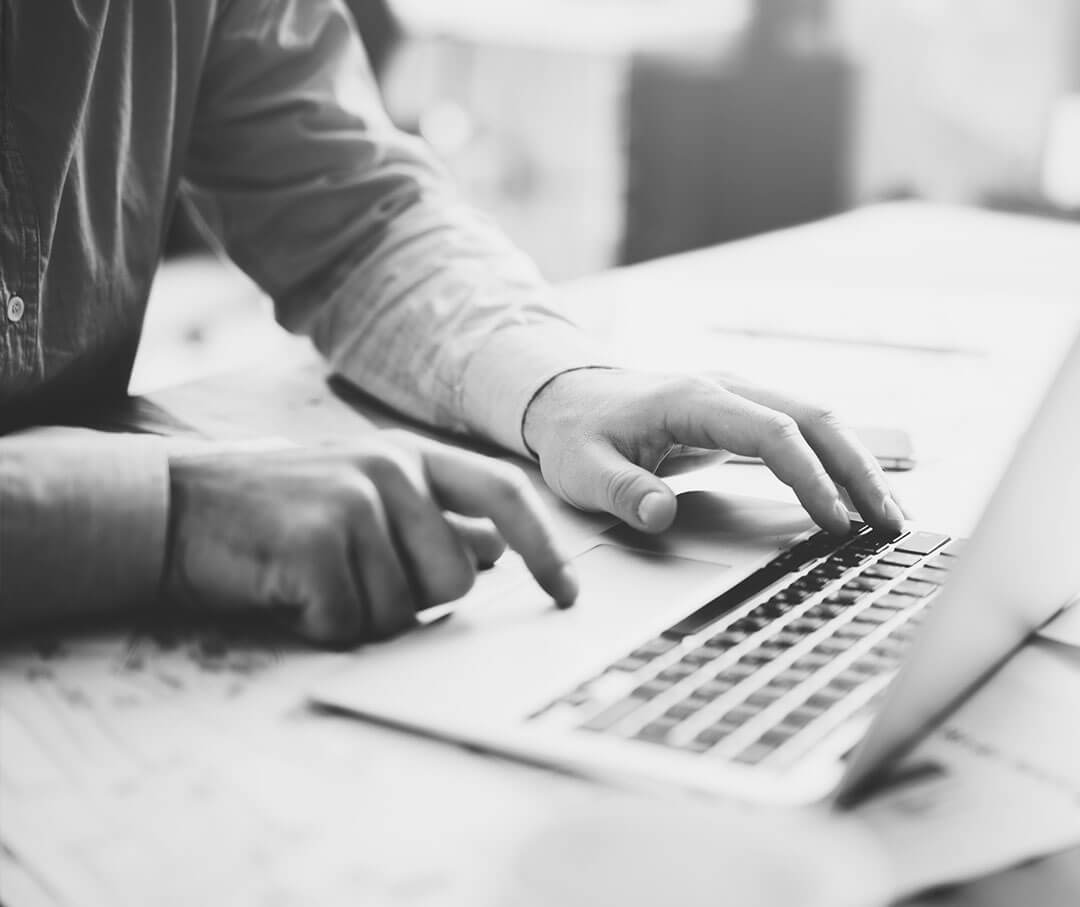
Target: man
(264, 114)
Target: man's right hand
(351, 544)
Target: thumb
(612, 483)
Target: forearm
(450, 324)
(82, 523)
(355, 231)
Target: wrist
(553, 404)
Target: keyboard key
(714, 733)
(793, 675)
(738, 671)
(844, 596)
(791, 596)
(865, 583)
(831, 610)
(698, 657)
(900, 559)
(711, 689)
(725, 639)
(656, 731)
(806, 625)
(653, 647)
(823, 700)
(834, 645)
(613, 714)
(922, 542)
(893, 602)
(763, 697)
(876, 615)
(740, 714)
(754, 753)
(883, 571)
(930, 575)
(915, 587)
(630, 664)
(802, 716)
(812, 660)
(845, 683)
(785, 640)
(681, 711)
(651, 689)
(849, 558)
(675, 673)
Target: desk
(159, 765)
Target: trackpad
(625, 595)
(637, 584)
(507, 646)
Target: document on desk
(1065, 628)
(996, 785)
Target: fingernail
(842, 513)
(651, 507)
(567, 587)
(892, 512)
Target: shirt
(265, 115)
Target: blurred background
(604, 132)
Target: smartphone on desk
(892, 447)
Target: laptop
(742, 652)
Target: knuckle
(679, 388)
(356, 497)
(388, 463)
(826, 417)
(315, 528)
(870, 474)
(780, 428)
(619, 485)
(456, 582)
(511, 483)
(333, 626)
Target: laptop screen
(1018, 570)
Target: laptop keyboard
(792, 658)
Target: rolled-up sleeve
(355, 232)
(83, 518)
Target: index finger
(719, 419)
(844, 456)
(478, 486)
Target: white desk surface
(168, 765)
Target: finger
(479, 486)
(480, 537)
(606, 480)
(390, 602)
(320, 590)
(716, 418)
(842, 453)
(442, 566)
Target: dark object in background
(727, 147)
(380, 32)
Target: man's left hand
(600, 434)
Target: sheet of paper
(998, 784)
(1065, 628)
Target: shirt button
(16, 308)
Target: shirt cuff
(84, 529)
(504, 375)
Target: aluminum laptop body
(638, 681)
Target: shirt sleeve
(355, 232)
(83, 518)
